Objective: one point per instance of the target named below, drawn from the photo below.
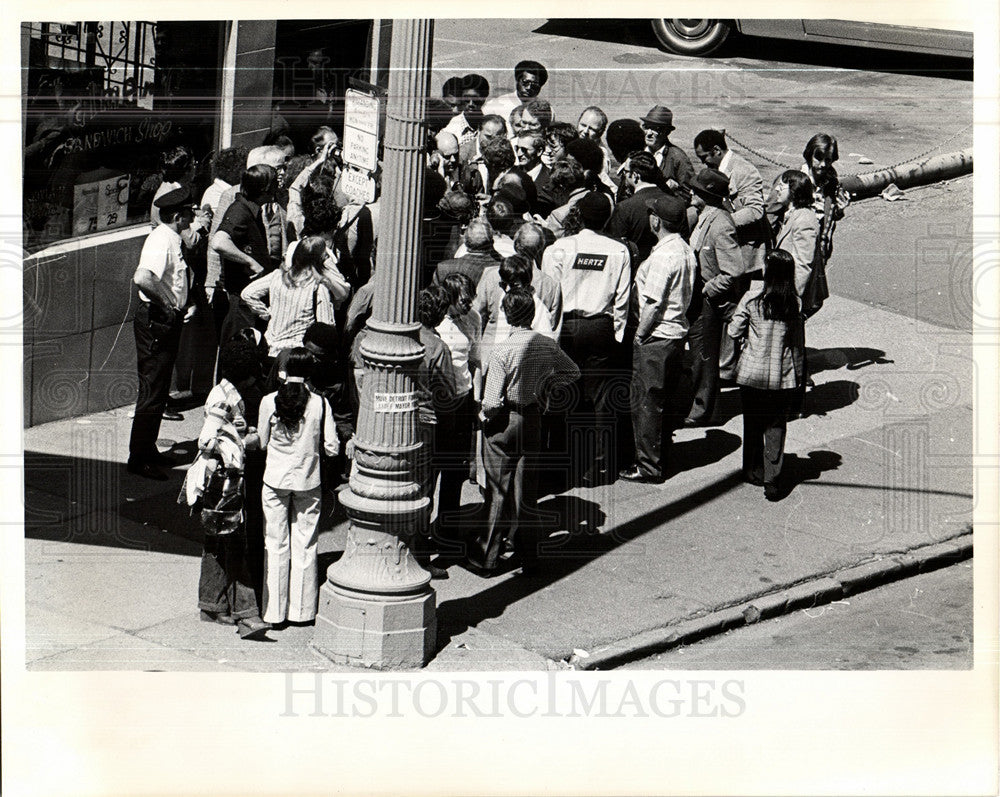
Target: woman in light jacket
(799, 228)
(770, 369)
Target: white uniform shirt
(593, 271)
(161, 255)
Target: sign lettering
(395, 402)
(590, 262)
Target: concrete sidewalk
(883, 469)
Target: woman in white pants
(295, 427)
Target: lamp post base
(382, 632)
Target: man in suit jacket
(746, 193)
(746, 199)
(479, 256)
(721, 281)
(630, 220)
(672, 160)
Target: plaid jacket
(773, 351)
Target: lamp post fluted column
(377, 608)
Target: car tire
(690, 36)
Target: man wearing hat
(746, 199)
(672, 161)
(664, 284)
(529, 78)
(720, 284)
(164, 282)
(594, 272)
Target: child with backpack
(296, 428)
(214, 486)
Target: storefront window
(105, 100)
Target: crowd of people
(585, 291)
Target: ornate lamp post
(377, 608)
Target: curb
(805, 595)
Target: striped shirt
(290, 310)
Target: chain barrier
(919, 159)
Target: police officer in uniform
(164, 282)
(594, 272)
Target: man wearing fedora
(164, 282)
(672, 161)
(746, 200)
(721, 281)
(663, 285)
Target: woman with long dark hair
(798, 228)
(770, 369)
(296, 428)
(829, 202)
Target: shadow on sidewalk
(795, 469)
(575, 539)
(830, 396)
(96, 502)
(850, 357)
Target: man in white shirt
(529, 78)
(164, 282)
(664, 284)
(466, 96)
(594, 272)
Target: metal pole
(377, 608)
(940, 167)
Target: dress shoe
(216, 617)
(693, 423)
(756, 481)
(772, 492)
(252, 628)
(147, 470)
(172, 415)
(636, 474)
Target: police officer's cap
(175, 200)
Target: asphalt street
(918, 623)
(911, 257)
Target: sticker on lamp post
(395, 402)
